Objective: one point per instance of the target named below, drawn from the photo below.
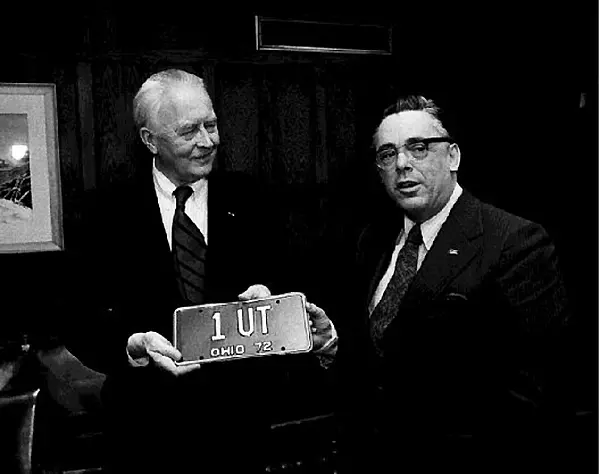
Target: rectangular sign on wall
(273, 34)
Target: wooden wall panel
(86, 124)
(290, 92)
(236, 105)
(115, 84)
(341, 117)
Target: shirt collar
(165, 187)
(431, 227)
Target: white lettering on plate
(217, 336)
(264, 346)
(240, 317)
(263, 318)
(226, 351)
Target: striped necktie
(189, 251)
(406, 268)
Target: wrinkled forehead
(185, 102)
(397, 128)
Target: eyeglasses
(416, 148)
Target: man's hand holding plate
(152, 348)
(322, 330)
(255, 292)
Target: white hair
(150, 96)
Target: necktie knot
(414, 236)
(182, 194)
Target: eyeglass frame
(407, 151)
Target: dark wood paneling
(289, 103)
(114, 87)
(236, 104)
(86, 124)
(321, 145)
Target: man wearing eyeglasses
(451, 360)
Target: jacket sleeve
(531, 286)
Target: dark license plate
(223, 331)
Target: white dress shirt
(196, 207)
(429, 229)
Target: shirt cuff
(331, 341)
(326, 354)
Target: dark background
(521, 81)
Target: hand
(255, 292)
(320, 326)
(152, 348)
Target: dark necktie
(406, 268)
(189, 250)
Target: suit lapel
(221, 215)
(225, 232)
(454, 247)
(151, 219)
(147, 229)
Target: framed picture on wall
(30, 196)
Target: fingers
(255, 292)
(314, 311)
(154, 347)
(184, 369)
(154, 342)
(318, 319)
(166, 363)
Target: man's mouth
(406, 185)
(204, 156)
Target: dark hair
(418, 102)
(413, 102)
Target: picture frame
(30, 191)
(317, 36)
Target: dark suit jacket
(124, 264)
(126, 285)
(473, 350)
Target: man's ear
(149, 140)
(454, 156)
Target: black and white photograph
(30, 193)
(15, 172)
(356, 239)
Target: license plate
(223, 331)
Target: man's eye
(210, 127)
(189, 133)
(386, 154)
(418, 147)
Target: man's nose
(203, 138)
(402, 160)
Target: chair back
(17, 416)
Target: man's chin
(409, 202)
(413, 204)
(201, 170)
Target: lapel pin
(452, 252)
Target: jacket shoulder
(502, 221)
